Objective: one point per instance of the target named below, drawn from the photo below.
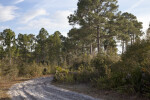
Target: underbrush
(130, 74)
(21, 69)
(74, 76)
(8, 71)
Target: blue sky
(29, 16)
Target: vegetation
(101, 26)
(28, 56)
(88, 55)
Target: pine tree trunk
(126, 44)
(98, 39)
(131, 40)
(9, 56)
(91, 49)
(122, 46)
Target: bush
(30, 70)
(103, 63)
(62, 75)
(83, 59)
(8, 71)
(101, 83)
(49, 69)
(131, 74)
(134, 69)
(82, 75)
(52, 69)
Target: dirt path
(41, 89)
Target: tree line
(28, 47)
(100, 24)
(88, 54)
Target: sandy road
(41, 89)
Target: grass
(101, 94)
(6, 84)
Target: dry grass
(101, 94)
(6, 84)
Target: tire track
(41, 89)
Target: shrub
(48, 69)
(103, 63)
(62, 75)
(134, 69)
(82, 75)
(100, 83)
(30, 70)
(52, 69)
(8, 71)
(83, 59)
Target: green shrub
(101, 83)
(62, 74)
(30, 70)
(48, 69)
(83, 59)
(133, 70)
(82, 75)
(52, 69)
(103, 63)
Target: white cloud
(33, 14)
(145, 18)
(18, 1)
(7, 13)
(61, 16)
(3, 27)
(35, 24)
(134, 6)
(58, 21)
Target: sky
(29, 16)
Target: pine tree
(8, 37)
(95, 14)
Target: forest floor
(102, 94)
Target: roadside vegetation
(101, 27)
(90, 54)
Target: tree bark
(122, 46)
(131, 40)
(9, 56)
(98, 39)
(91, 49)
